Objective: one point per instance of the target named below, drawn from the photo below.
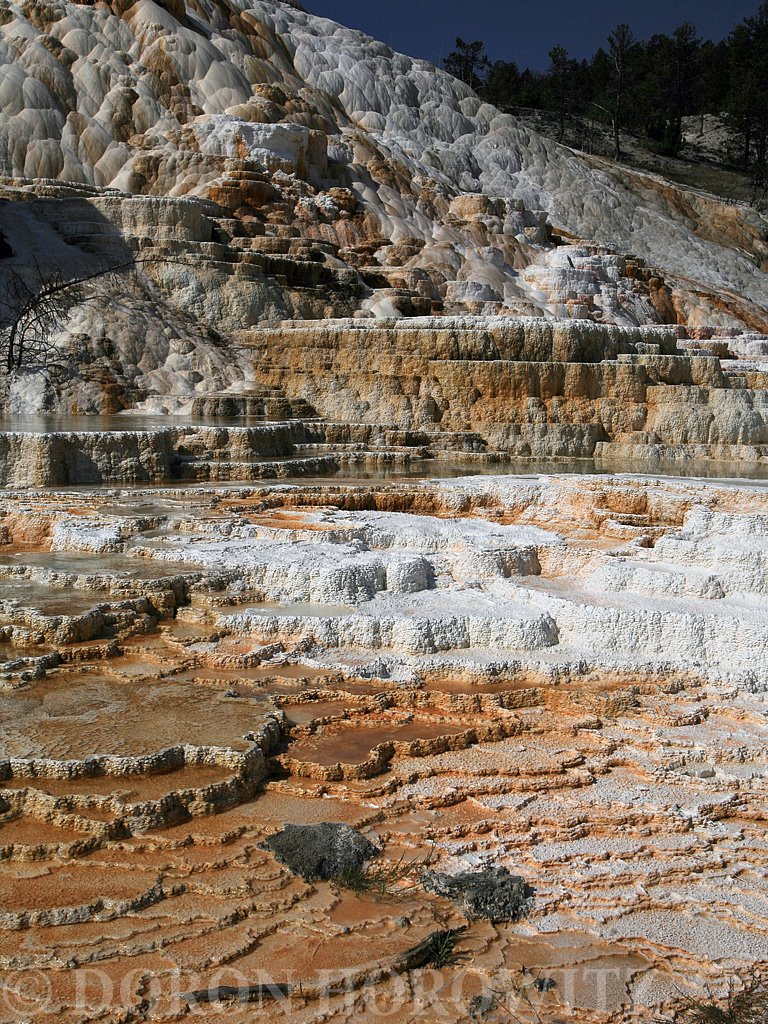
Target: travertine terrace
(274, 550)
(563, 676)
(485, 390)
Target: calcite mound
(486, 390)
(321, 852)
(266, 165)
(492, 893)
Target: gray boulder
(492, 893)
(321, 852)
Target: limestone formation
(486, 389)
(258, 623)
(264, 165)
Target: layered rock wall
(439, 388)
(527, 388)
(132, 456)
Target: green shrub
(442, 949)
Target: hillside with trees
(690, 108)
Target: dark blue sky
(524, 30)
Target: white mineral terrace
(562, 676)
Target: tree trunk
(617, 116)
(747, 144)
(10, 357)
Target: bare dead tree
(622, 44)
(35, 304)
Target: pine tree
(747, 103)
(561, 75)
(468, 62)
